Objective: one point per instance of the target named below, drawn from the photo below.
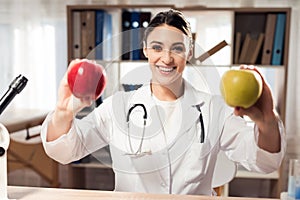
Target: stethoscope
(139, 152)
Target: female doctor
(165, 136)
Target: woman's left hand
(264, 115)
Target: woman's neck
(168, 92)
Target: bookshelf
(246, 22)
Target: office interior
(34, 42)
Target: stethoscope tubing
(145, 116)
(139, 153)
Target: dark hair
(171, 17)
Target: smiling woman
(165, 136)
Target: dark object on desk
(131, 87)
(15, 88)
(2, 151)
(28, 136)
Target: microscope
(4, 143)
(15, 88)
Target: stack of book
(92, 30)
(133, 26)
(268, 44)
(250, 49)
(274, 44)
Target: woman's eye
(178, 49)
(157, 48)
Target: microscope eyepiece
(16, 86)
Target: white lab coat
(185, 166)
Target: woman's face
(167, 50)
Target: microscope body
(16, 86)
(4, 143)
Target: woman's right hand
(66, 100)
(67, 107)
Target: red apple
(86, 79)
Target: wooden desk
(29, 193)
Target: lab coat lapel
(189, 102)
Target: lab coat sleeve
(266, 160)
(239, 141)
(84, 137)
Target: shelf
(253, 175)
(243, 173)
(91, 165)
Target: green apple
(241, 87)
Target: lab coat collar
(189, 101)
(191, 96)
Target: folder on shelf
(257, 48)
(145, 18)
(76, 35)
(269, 38)
(250, 50)
(278, 40)
(99, 21)
(107, 35)
(87, 34)
(103, 34)
(126, 26)
(245, 46)
(237, 48)
(135, 35)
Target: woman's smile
(165, 69)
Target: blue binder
(126, 36)
(107, 37)
(135, 35)
(99, 34)
(145, 18)
(278, 39)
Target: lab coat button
(163, 184)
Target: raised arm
(66, 108)
(264, 115)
